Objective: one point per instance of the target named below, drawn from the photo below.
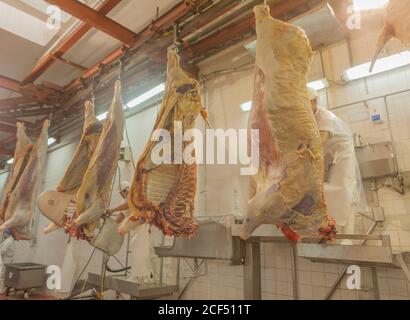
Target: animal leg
(91, 214)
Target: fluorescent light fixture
(25, 25)
(382, 65)
(10, 161)
(102, 116)
(146, 96)
(362, 5)
(246, 106)
(51, 141)
(318, 84)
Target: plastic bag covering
(397, 25)
(141, 264)
(22, 201)
(344, 189)
(164, 194)
(288, 189)
(69, 268)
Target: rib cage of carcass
(23, 183)
(164, 194)
(397, 25)
(288, 189)
(59, 206)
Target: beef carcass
(24, 146)
(93, 195)
(59, 206)
(288, 190)
(164, 194)
(397, 25)
(74, 174)
(22, 201)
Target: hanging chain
(175, 41)
(93, 92)
(120, 65)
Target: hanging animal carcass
(163, 194)
(93, 195)
(24, 183)
(397, 25)
(59, 206)
(288, 190)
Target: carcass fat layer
(288, 189)
(23, 198)
(93, 195)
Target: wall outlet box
(376, 116)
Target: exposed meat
(22, 201)
(93, 195)
(164, 194)
(397, 25)
(74, 174)
(59, 206)
(24, 146)
(288, 189)
(130, 224)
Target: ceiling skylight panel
(25, 25)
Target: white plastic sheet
(344, 190)
(141, 264)
(68, 271)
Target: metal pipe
(369, 99)
(376, 289)
(127, 253)
(161, 267)
(178, 271)
(386, 108)
(294, 271)
(252, 272)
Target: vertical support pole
(178, 272)
(252, 270)
(161, 267)
(294, 272)
(376, 289)
(127, 254)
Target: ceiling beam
(156, 27)
(237, 29)
(70, 63)
(47, 61)
(6, 104)
(4, 127)
(6, 152)
(96, 20)
(9, 84)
